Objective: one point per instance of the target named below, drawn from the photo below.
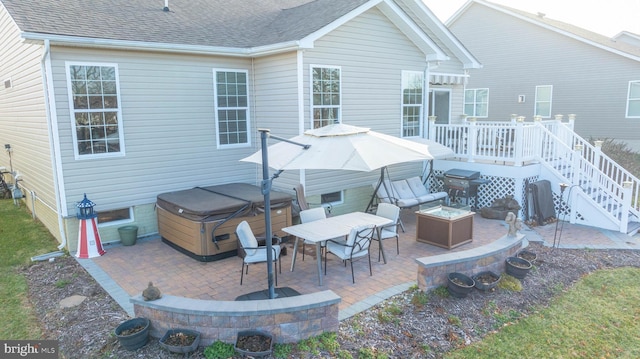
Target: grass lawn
(20, 239)
(598, 318)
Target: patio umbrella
(346, 147)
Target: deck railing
(553, 143)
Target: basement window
(115, 216)
(331, 198)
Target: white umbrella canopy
(346, 147)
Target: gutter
(52, 128)
(75, 41)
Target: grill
(461, 184)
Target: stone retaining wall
(433, 270)
(289, 319)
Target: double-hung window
(633, 99)
(95, 109)
(476, 102)
(412, 102)
(543, 101)
(325, 95)
(232, 107)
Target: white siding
(23, 122)
(517, 56)
(169, 129)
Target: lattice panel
(498, 188)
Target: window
(543, 101)
(113, 216)
(331, 198)
(232, 107)
(633, 99)
(95, 109)
(412, 92)
(325, 88)
(476, 102)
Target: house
(123, 100)
(534, 65)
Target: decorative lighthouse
(89, 244)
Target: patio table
(332, 227)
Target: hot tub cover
(220, 201)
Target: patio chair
(392, 212)
(309, 215)
(302, 201)
(253, 252)
(357, 246)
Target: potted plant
(527, 255)
(180, 340)
(517, 267)
(254, 343)
(486, 280)
(459, 285)
(133, 333)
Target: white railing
(553, 142)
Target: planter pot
(128, 235)
(133, 333)
(459, 285)
(486, 280)
(527, 255)
(180, 340)
(517, 267)
(254, 343)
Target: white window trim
(464, 103)
(72, 111)
(421, 105)
(311, 105)
(118, 222)
(215, 109)
(626, 112)
(535, 102)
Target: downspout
(52, 127)
(300, 75)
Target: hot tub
(201, 222)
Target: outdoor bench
(407, 193)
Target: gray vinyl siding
(23, 122)
(167, 108)
(371, 53)
(276, 108)
(587, 81)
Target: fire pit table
(443, 226)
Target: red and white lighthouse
(89, 244)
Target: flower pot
(133, 333)
(486, 280)
(254, 343)
(459, 285)
(527, 255)
(128, 235)
(517, 267)
(180, 340)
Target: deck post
(519, 141)
(472, 140)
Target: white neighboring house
(533, 65)
(125, 99)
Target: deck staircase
(598, 192)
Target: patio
(126, 270)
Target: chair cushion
(246, 237)
(260, 254)
(382, 193)
(401, 187)
(416, 186)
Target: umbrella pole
(266, 191)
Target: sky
(606, 17)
